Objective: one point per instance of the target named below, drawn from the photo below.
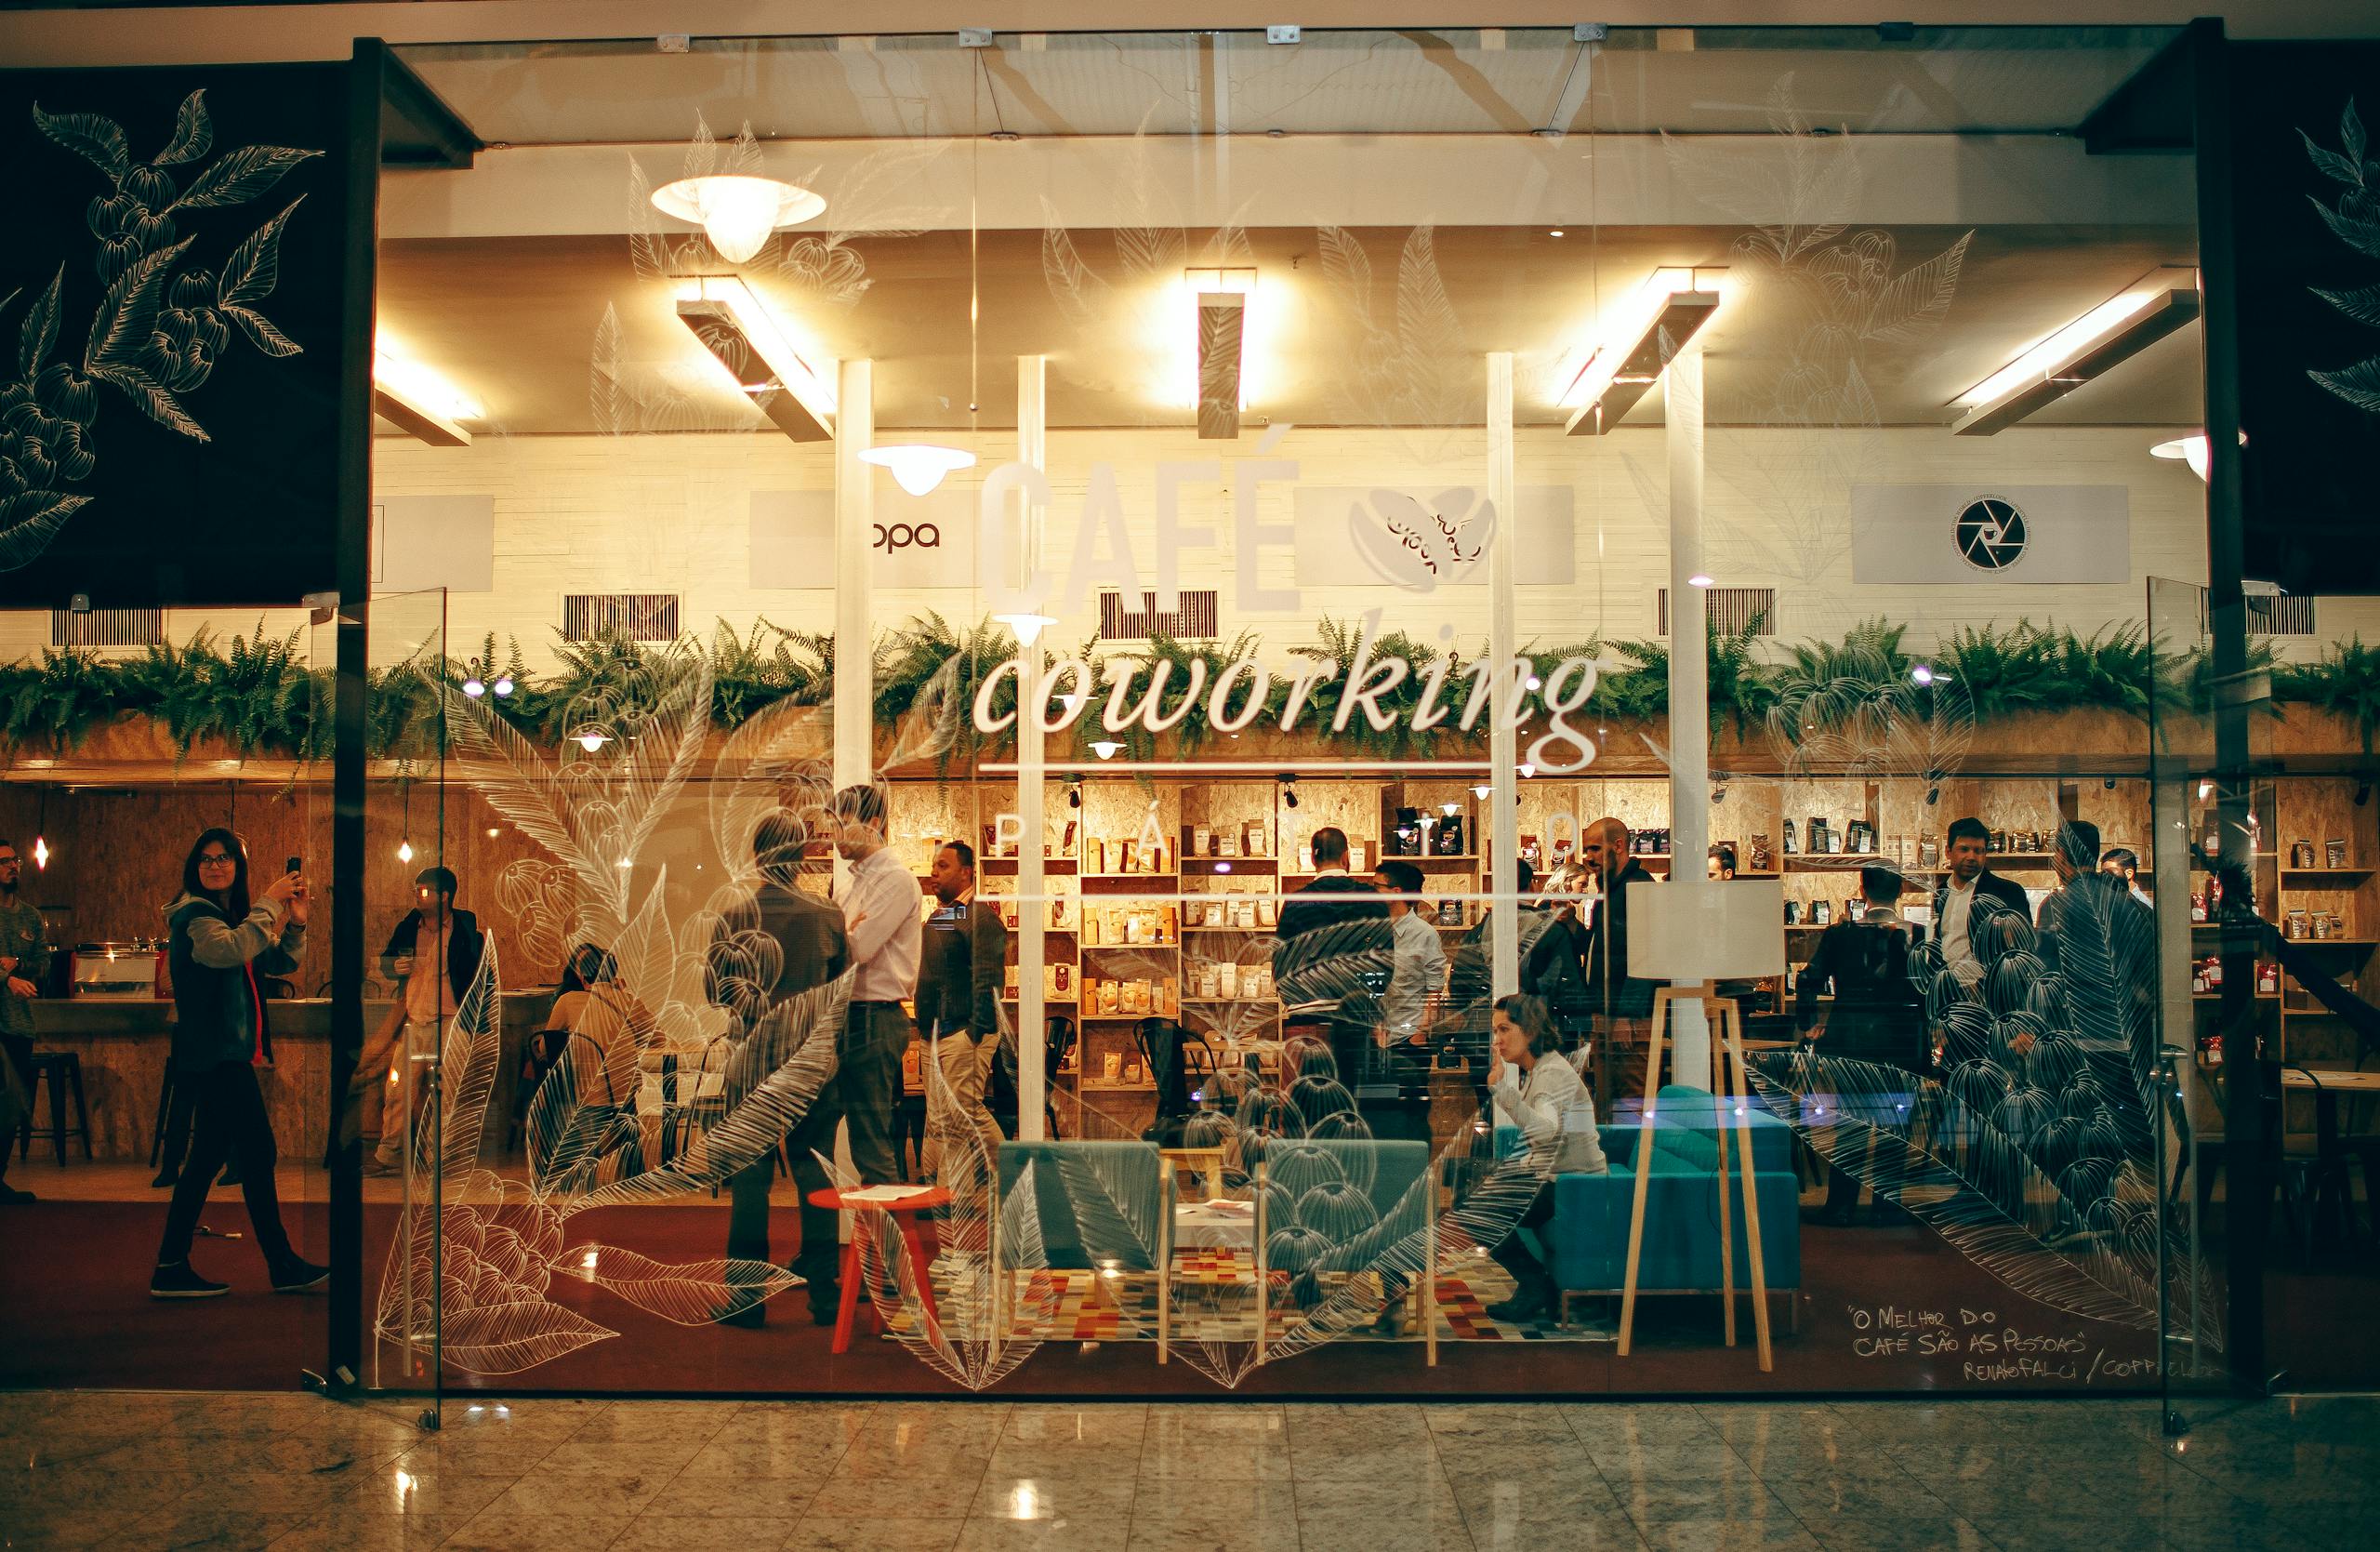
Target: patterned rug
(1214, 1300)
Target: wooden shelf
(1144, 943)
(1231, 1001)
(2289, 873)
(1233, 862)
(1152, 878)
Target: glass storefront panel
(1330, 453)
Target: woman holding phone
(219, 941)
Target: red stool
(904, 1213)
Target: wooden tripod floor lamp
(1691, 933)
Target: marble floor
(140, 1470)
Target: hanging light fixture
(503, 685)
(2191, 449)
(919, 466)
(41, 836)
(1028, 626)
(591, 738)
(473, 688)
(404, 838)
(737, 212)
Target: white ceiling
(518, 323)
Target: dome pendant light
(919, 466)
(736, 211)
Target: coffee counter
(125, 1047)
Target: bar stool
(57, 1068)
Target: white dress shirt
(1421, 970)
(1958, 948)
(883, 928)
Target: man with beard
(24, 954)
(785, 943)
(1969, 899)
(959, 973)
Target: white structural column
(854, 574)
(1690, 683)
(1033, 910)
(1503, 756)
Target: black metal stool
(57, 1068)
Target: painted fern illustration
(2355, 220)
(160, 326)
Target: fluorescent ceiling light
(919, 466)
(737, 213)
(730, 321)
(424, 405)
(1222, 299)
(1634, 342)
(2051, 367)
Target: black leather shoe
(178, 1281)
(296, 1275)
(751, 1319)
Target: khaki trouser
(957, 1100)
(401, 1088)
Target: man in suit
(1967, 901)
(2102, 944)
(783, 943)
(959, 973)
(1334, 977)
(1618, 1006)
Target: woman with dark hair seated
(1534, 1088)
(592, 1034)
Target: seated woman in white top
(1541, 1093)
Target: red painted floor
(75, 1306)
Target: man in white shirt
(1969, 898)
(883, 928)
(1421, 966)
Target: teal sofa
(1586, 1245)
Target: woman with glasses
(219, 941)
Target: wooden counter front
(125, 1047)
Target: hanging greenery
(257, 697)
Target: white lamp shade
(919, 466)
(737, 213)
(1690, 931)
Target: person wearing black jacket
(435, 953)
(961, 966)
(1970, 899)
(783, 943)
(1875, 1016)
(1620, 1005)
(219, 941)
(1336, 976)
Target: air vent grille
(107, 627)
(639, 616)
(1734, 611)
(1194, 621)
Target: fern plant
(2346, 683)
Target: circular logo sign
(1991, 534)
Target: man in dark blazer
(1333, 954)
(786, 942)
(961, 967)
(1968, 901)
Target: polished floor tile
(288, 1472)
